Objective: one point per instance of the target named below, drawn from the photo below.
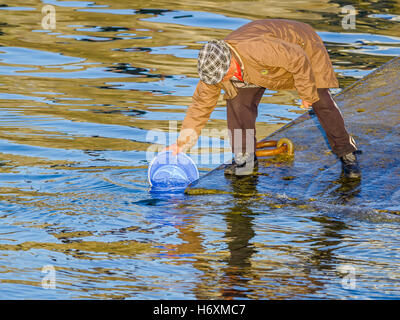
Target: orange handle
(284, 145)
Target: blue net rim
(167, 190)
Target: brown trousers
(243, 109)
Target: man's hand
(174, 148)
(305, 105)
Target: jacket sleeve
(279, 53)
(203, 103)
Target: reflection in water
(347, 189)
(239, 234)
(76, 104)
(326, 243)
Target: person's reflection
(341, 191)
(347, 190)
(325, 244)
(240, 232)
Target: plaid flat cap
(213, 61)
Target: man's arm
(204, 100)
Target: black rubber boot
(242, 165)
(350, 166)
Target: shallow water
(77, 105)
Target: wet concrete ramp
(371, 108)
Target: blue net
(169, 173)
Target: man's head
(214, 61)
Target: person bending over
(271, 54)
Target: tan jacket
(276, 54)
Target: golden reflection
(9, 162)
(62, 141)
(91, 250)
